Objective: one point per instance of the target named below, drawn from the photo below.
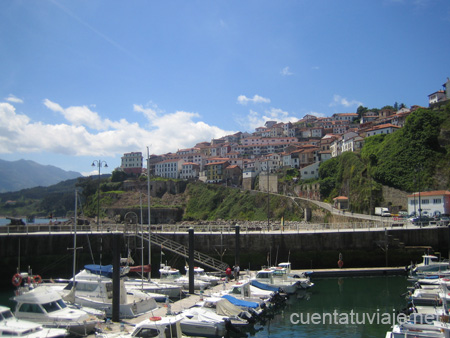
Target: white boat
(13, 327)
(94, 288)
(200, 274)
(244, 290)
(266, 277)
(202, 322)
(410, 330)
(239, 312)
(171, 275)
(46, 307)
(430, 263)
(155, 327)
(157, 290)
(282, 273)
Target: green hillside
(210, 202)
(413, 158)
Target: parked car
(420, 220)
(444, 221)
(402, 214)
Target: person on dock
(236, 272)
(228, 273)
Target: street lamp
(99, 164)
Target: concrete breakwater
(51, 255)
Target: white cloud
(342, 101)
(286, 72)
(254, 119)
(242, 99)
(86, 133)
(13, 99)
(80, 116)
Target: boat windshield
(171, 275)
(5, 315)
(51, 307)
(146, 332)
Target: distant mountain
(23, 174)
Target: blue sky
(92, 79)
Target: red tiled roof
(430, 193)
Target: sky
(90, 80)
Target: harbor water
(334, 307)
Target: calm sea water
(331, 304)
(363, 296)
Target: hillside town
(236, 160)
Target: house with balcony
(215, 171)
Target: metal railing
(245, 227)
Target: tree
(361, 110)
(118, 176)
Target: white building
(431, 202)
(387, 128)
(310, 171)
(131, 163)
(169, 168)
(189, 170)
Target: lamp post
(99, 164)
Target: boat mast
(142, 244)
(148, 210)
(75, 238)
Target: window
(437, 201)
(32, 308)
(147, 333)
(426, 201)
(50, 307)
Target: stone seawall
(51, 255)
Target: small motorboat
(46, 307)
(12, 327)
(169, 275)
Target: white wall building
(431, 202)
(132, 162)
(310, 171)
(169, 168)
(387, 128)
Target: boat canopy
(103, 270)
(263, 286)
(240, 302)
